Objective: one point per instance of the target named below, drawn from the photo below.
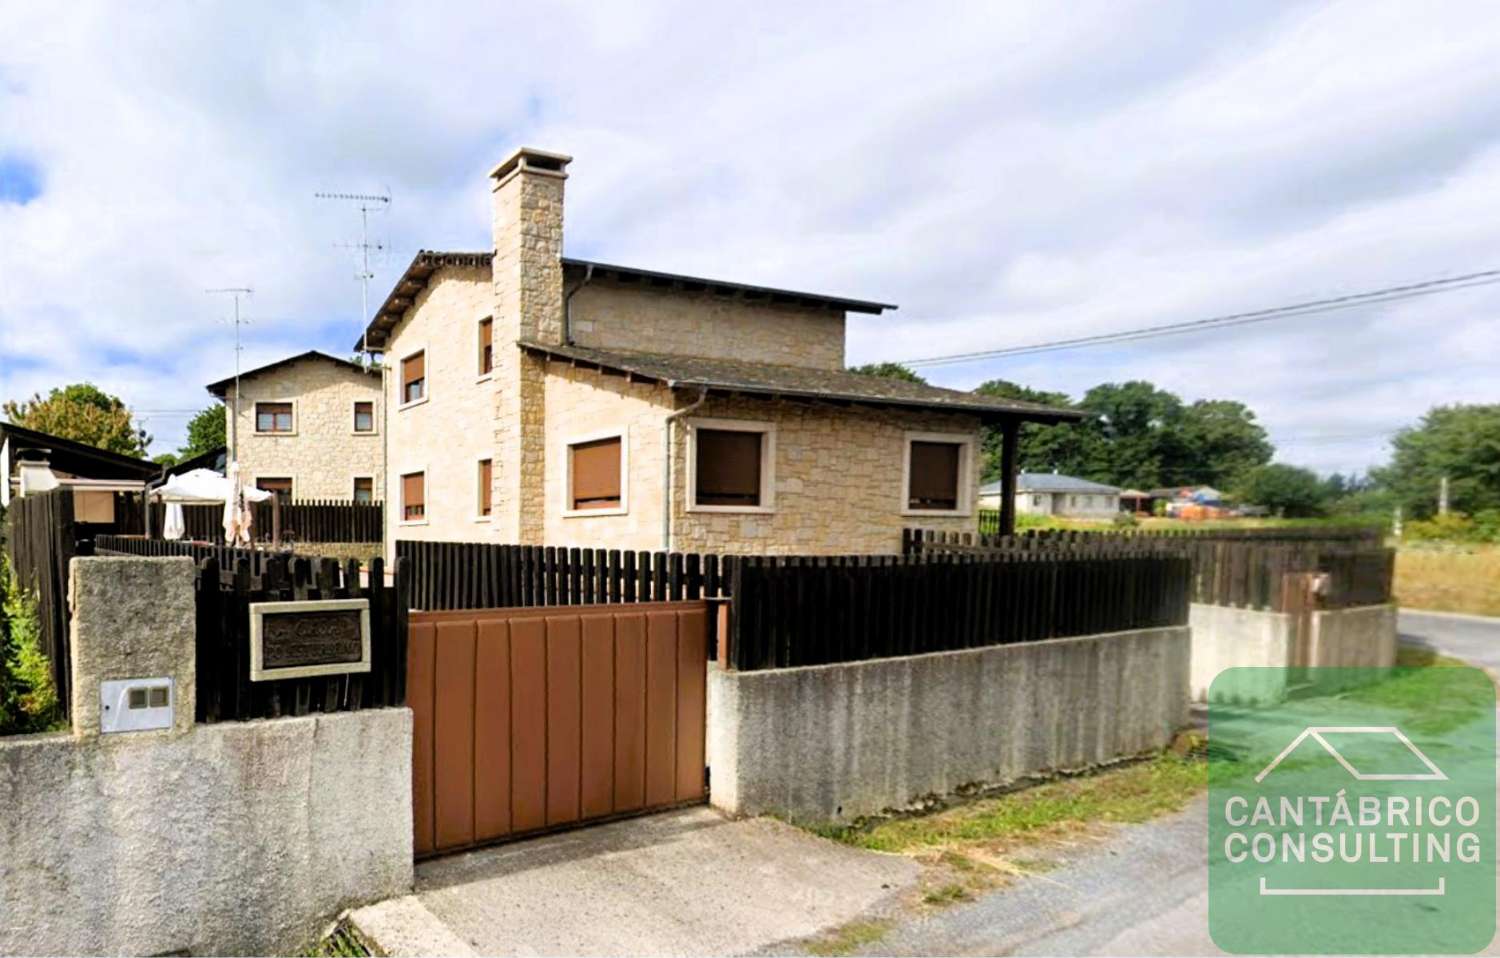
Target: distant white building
(1049, 494)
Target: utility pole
(1443, 496)
(368, 203)
(234, 408)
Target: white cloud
(1006, 173)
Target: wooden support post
(1010, 430)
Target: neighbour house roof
(76, 458)
(764, 379)
(1052, 482)
(221, 388)
(428, 262)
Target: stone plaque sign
(291, 640)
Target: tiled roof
(794, 381)
(222, 386)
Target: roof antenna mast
(234, 418)
(368, 203)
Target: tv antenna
(368, 203)
(234, 419)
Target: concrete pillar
(528, 278)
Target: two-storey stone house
(308, 427)
(536, 398)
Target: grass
(340, 943)
(1449, 578)
(849, 938)
(1433, 705)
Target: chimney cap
(532, 160)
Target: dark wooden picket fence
(302, 520)
(485, 575)
(1240, 568)
(40, 541)
(225, 556)
(813, 611)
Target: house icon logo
(1318, 732)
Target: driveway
(688, 882)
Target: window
(1036, 500)
(364, 417)
(486, 346)
(414, 378)
(414, 497)
(281, 486)
(364, 489)
(486, 486)
(937, 471)
(731, 466)
(594, 474)
(273, 417)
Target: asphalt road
(1145, 890)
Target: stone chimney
(528, 305)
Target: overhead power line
(1309, 308)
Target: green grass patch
(849, 938)
(1418, 690)
(342, 942)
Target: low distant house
(107, 487)
(1198, 502)
(537, 398)
(309, 427)
(1051, 494)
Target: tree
(166, 459)
(1461, 442)
(205, 432)
(1286, 490)
(1039, 448)
(84, 413)
(888, 371)
(1137, 441)
(1221, 441)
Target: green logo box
(1355, 814)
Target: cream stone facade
(834, 474)
(323, 453)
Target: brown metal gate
(530, 719)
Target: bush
(1455, 527)
(28, 697)
(1124, 520)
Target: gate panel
(528, 719)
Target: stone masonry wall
(323, 454)
(610, 316)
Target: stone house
(308, 427)
(538, 398)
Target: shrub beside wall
(28, 697)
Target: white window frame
(401, 402)
(965, 442)
(401, 474)
(565, 469)
(480, 377)
(255, 417)
(363, 475)
(374, 429)
(479, 490)
(255, 479)
(767, 463)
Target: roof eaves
(411, 282)
(726, 287)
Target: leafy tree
(205, 431)
(1461, 442)
(166, 459)
(1039, 448)
(84, 413)
(1219, 441)
(1286, 490)
(888, 371)
(1137, 441)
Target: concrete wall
(640, 319)
(234, 838)
(836, 742)
(323, 454)
(1351, 638)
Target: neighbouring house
(1194, 502)
(308, 427)
(1050, 494)
(540, 398)
(108, 488)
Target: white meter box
(135, 705)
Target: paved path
(1143, 892)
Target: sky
(1008, 173)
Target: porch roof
(765, 379)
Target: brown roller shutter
(596, 474)
(413, 496)
(486, 345)
(414, 377)
(486, 475)
(728, 467)
(934, 475)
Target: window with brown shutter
(727, 467)
(486, 346)
(414, 377)
(364, 417)
(273, 417)
(413, 496)
(486, 475)
(281, 486)
(364, 489)
(595, 471)
(934, 475)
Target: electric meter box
(135, 705)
